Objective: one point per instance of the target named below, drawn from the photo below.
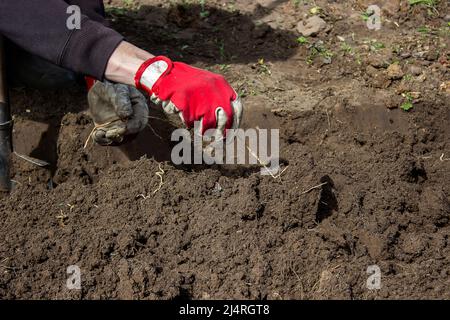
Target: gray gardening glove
(117, 110)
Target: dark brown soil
(228, 232)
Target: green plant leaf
(407, 106)
(302, 40)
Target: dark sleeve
(40, 27)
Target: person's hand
(195, 94)
(118, 110)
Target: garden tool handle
(5, 125)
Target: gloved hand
(195, 94)
(117, 110)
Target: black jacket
(40, 27)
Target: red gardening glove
(89, 82)
(197, 95)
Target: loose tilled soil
(228, 232)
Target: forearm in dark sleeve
(40, 27)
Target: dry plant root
(264, 165)
(62, 217)
(160, 174)
(97, 126)
(443, 159)
(154, 132)
(313, 188)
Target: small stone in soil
(311, 26)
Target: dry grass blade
(313, 188)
